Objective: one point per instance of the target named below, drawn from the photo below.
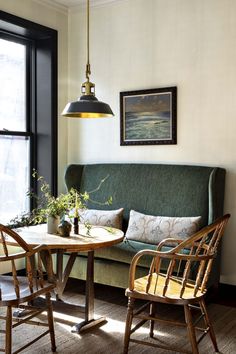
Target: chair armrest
(168, 242)
(13, 256)
(135, 261)
(169, 255)
(40, 248)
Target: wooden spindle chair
(184, 282)
(21, 291)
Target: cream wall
(138, 44)
(141, 44)
(57, 19)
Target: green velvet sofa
(154, 189)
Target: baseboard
(225, 295)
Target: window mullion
(14, 133)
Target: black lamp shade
(87, 106)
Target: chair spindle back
(33, 261)
(187, 265)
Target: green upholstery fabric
(124, 252)
(153, 189)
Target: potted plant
(52, 209)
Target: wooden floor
(108, 339)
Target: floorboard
(111, 302)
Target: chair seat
(157, 286)
(8, 290)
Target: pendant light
(87, 105)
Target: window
(15, 144)
(28, 111)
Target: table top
(99, 236)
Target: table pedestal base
(87, 325)
(62, 277)
(19, 312)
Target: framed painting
(148, 117)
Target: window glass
(28, 112)
(14, 176)
(14, 139)
(13, 86)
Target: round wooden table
(99, 237)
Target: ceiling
(71, 3)
(68, 3)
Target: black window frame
(41, 95)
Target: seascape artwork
(148, 117)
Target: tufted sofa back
(155, 189)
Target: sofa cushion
(111, 218)
(126, 250)
(153, 229)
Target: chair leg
(50, 321)
(152, 313)
(191, 329)
(128, 324)
(8, 343)
(209, 324)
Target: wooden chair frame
(184, 282)
(20, 292)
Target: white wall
(138, 44)
(57, 19)
(141, 44)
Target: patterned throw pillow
(153, 229)
(111, 218)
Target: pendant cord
(88, 71)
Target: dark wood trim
(24, 28)
(14, 133)
(228, 288)
(42, 83)
(226, 295)
(54, 121)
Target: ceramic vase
(64, 228)
(52, 224)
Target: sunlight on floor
(66, 318)
(112, 326)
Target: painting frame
(157, 126)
